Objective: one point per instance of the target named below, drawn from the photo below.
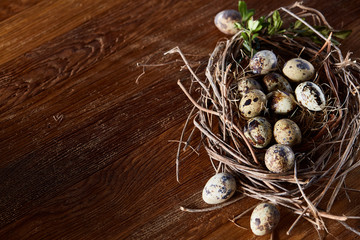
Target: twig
(194, 102)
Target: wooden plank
(84, 151)
(9, 8)
(44, 21)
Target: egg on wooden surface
(225, 21)
(281, 102)
(252, 103)
(287, 132)
(279, 158)
(245, 85)
(263, 62)
(219, 188)
(258, 132)
(310, 95)
(264, 219)
(274, 81)
(298, 70)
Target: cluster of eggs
(275, 93)
(280, 100)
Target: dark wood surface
(86, 153)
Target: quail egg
(245, 85)
(298, 70)
(310, 95)
(279, 158)
(287, 132)
(252, 103)
(258, 132)
(225, 21)
(263, 62)
(219, 188)
(281, 102)
(264, 219)
(274, 81)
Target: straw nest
(330, 145)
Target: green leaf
(255, 35)
(252, 25)
(276, 16)
(242, 8)
(245, 36)
(258, 28)
(247, 46)
(342, 34)
(248, 15)
(297, 24)
(271, 30)
(277, 21)
(238, 26)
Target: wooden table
(86, 152)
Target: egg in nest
(279, 158)
(258, 132)
(252, 103)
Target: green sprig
(273, 25)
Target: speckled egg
(298, 70)
(264, 219)
(287, 132)
(263, 62)
(274, 81)
(258, 132)
(281, 102)
(225, 21)
(219, 188)
(252, 103)
(310, 95)
(245, 85)
(279, 158)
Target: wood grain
(85, 151)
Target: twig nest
(263, 62)
(287, 132)
(298, 70)
(225, 21)
(274, 81)
(264, 219)
(310, 95)
(258, 132)
(281, 102)
(252, 103)
(219, 188)
(279, 158)
(245, 85)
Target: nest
(330, 145)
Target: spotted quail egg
(310, 95)
(298, 70)
(245, 85)
(281, 102)
(225, 21)
(263, 62)
(279, 158)
(252, 103)
(287, 132)
(258, 132)
(219, 188)
(264, 219)
(274, 81)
